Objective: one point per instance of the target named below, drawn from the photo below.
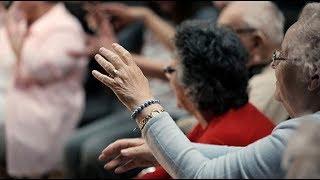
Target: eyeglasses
(240, 30)
(244, 30)
(276, 59)
(169, 70)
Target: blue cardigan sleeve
(183, 159)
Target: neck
(307, 103)
(307, 109)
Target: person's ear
(314, 82)
(257, 47)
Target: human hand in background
(123, 14)
(126, 154)
(104, 36)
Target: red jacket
(239, 127)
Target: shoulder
(287, 128)
(253, 116)
(64, 20)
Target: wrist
(138, 101)
(147, 114)
(147, 15)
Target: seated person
(259, 25)
(297, 88)
(84, 147)
(210, 81)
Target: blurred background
(55, 117)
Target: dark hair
(212, 60)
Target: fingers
(126, 167)
(123, 53)
(115, 148)
(115, 163)
(113, 58)
(102, 78)
(132, 152)
(110, 69)
(113, 8)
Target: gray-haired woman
(297, 68)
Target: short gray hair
(305, 46)
(264, 16)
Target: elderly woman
(45, 99)
(298, 76)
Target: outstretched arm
(161, 29)
(171, 147)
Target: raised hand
(125, 14)
(123, 76)
(104, 37)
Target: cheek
(282, 84)
(277, 95)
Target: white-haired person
(259, 24)
(297, 88)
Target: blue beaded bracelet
(142, 106)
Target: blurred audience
(90, 140)
(297, 88)
(209, 78)
(260, 28)
(129, 36)
(45, 100)
(46, 92)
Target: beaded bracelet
(142, 106)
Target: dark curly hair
(212, 61)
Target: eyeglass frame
(276, 58)
(240, 30)
(169, 70)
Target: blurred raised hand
(127, 154)
(123, 14)
(104, 32)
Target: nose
(274, 64)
